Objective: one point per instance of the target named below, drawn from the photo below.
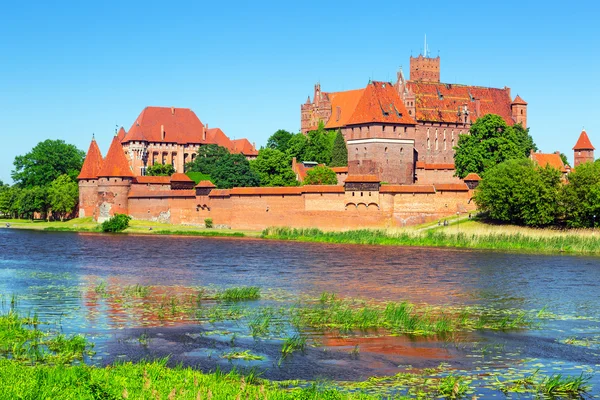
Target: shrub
(320, 175)
(208, 223)
(118, 223)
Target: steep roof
(205, 184)
(121, 135)
(181, 125)
(218, 137)
(379, 102)
(346, 103)
(518, 100)
(552, 159)
(583, 143)
(115, 163)
(244, 146)
(439, 102)
(92, 163)
(472, 177)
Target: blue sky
(71, 69)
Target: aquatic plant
(239, 293)
(453, 387)
(137, 290)
(559, 385)
(241, 355)
(293, 344)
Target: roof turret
(92, 163)
(583, 143)
(115, 163)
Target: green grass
(559, 385)
(292, 344)
(542, 243)
(241, 355)
(239, 294)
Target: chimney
(254, 145)
(477, 107)
(172, 110)
(162, 132)
(204, 132)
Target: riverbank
(466, 234)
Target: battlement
(425, 69)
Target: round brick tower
(114, 182)
(88, 181)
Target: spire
(115, 163)
(583, 143)
(425, 47)
(92, 163)
(121, 134)
(519, 100)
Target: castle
(405, 132)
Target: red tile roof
(552, 159)
(583, 143)
(472, 177)
(138, 192)
(244, 146)
(121, 135)
(439, 102)
(362, 178)
(451, 187)
(406, 189)
(220, 193)
(379, 102)
(180, 177)
(423, 165)
(162, 180)
(323, 189)
(181, 125)
(519, 100)
(205, 184)
(115, 163)
(266, 190)
(92, 163)
(218, 137)
(340, 170)
(346, 103)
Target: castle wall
(112, 197)
(88, 197)
(431, 176)
(434, 142)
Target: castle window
(436, 144)
(444, 144)
(401, 150)
(428, 144)
(383, 128)
(521, 112)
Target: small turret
(519, 111)
(583, 149)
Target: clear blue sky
(72, 69)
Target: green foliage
(320, 175)
(273, 168)
(297, 147)
(30, 200)
(198, 176)
(280, 140)
(208, 222)
(63, 195)
(160, 170)
(316, 145)
(490, 142)
(8, 201)
(226, 170)
(239, 293)
(339, 154)
(564, 159)
(519, 192)
(118, 223)
(47, 161)
(581, 196)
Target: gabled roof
(115, 163)
(92, 163)
(244, 146)
(552, 159)
(218, 137)
(439, 102)
(379, 102)
(518, 100)
(180, 177)
(346, 103)
(205, 184)
(472, 177)
(583, 143)
(181, 125)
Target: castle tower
(519, 111)
(583, 149)
(88, 181)
(114, 182)
(425, 69)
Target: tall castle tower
(519, 111)
(425, 68)
(583, 149)
(88, 181)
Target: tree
(63, 195)
(46, 162)
(8, 197)
(226, 170)
(279, 140)
(520, 192)
(339, 154)
(581, 196)
(273, 168)
(30, 200)
(297, 147)
(564, 159)
(160, 170)
(320, 145)
(320, 175)
(490, 142)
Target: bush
(208, 223)
(320, 175)
(118, 223)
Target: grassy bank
(534, 242)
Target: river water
(56, 275)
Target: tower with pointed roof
(519, 111)
(88, 181)
(114, 182)
(583, 149)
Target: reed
(242, 355)
(243, 293)
(559, 385)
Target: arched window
(428, 144)
(436, 144)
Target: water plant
(239, 293)
(560, 385)
(452, 387)
(292, 344)
(241, 355)
(137, 290)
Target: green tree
(47, 161)
(7, 200)
(297, 147)
(273, 168)
(226, 170)
(320, 145)
(564, 159)
(63, 194)
(279, 140)
(339, 154)
(520, 192)
(29, 201)
(118, 223)
(160, 170)
(320, 175)
(207, 159)
(490, 142)
(581, 196)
